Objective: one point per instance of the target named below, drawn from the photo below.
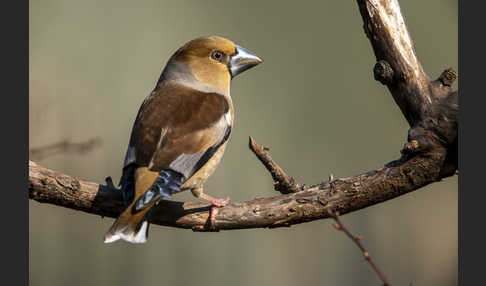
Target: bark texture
(430, 153)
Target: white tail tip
(130, 236)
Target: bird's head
(213, 60)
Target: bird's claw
(215, 205)
(218, 203)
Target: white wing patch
(227, 116)
(129, 156)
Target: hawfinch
(180, 132)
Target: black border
(471, 193)
(15, 96)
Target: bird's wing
(177, 128)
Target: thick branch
(347, 195)
(397, 63)
(430, 107)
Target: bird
(180, 132)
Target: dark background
(313, 102)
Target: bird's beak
(242, 60)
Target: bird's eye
(217, 55)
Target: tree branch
(430, 154)
(282, 182)
(357, 240)
(346, 195)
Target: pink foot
(215, 205)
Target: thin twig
(64, 146)
(282, 182)
(357, 240)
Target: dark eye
(217, 55)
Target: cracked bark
(429, 155)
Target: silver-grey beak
(242, 60)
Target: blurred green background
(313, 102)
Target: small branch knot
(410, 147)
(448, 77)
(366, 255)
(383, 72)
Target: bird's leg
(215, 203)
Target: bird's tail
(129, 227)
(132, 225)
